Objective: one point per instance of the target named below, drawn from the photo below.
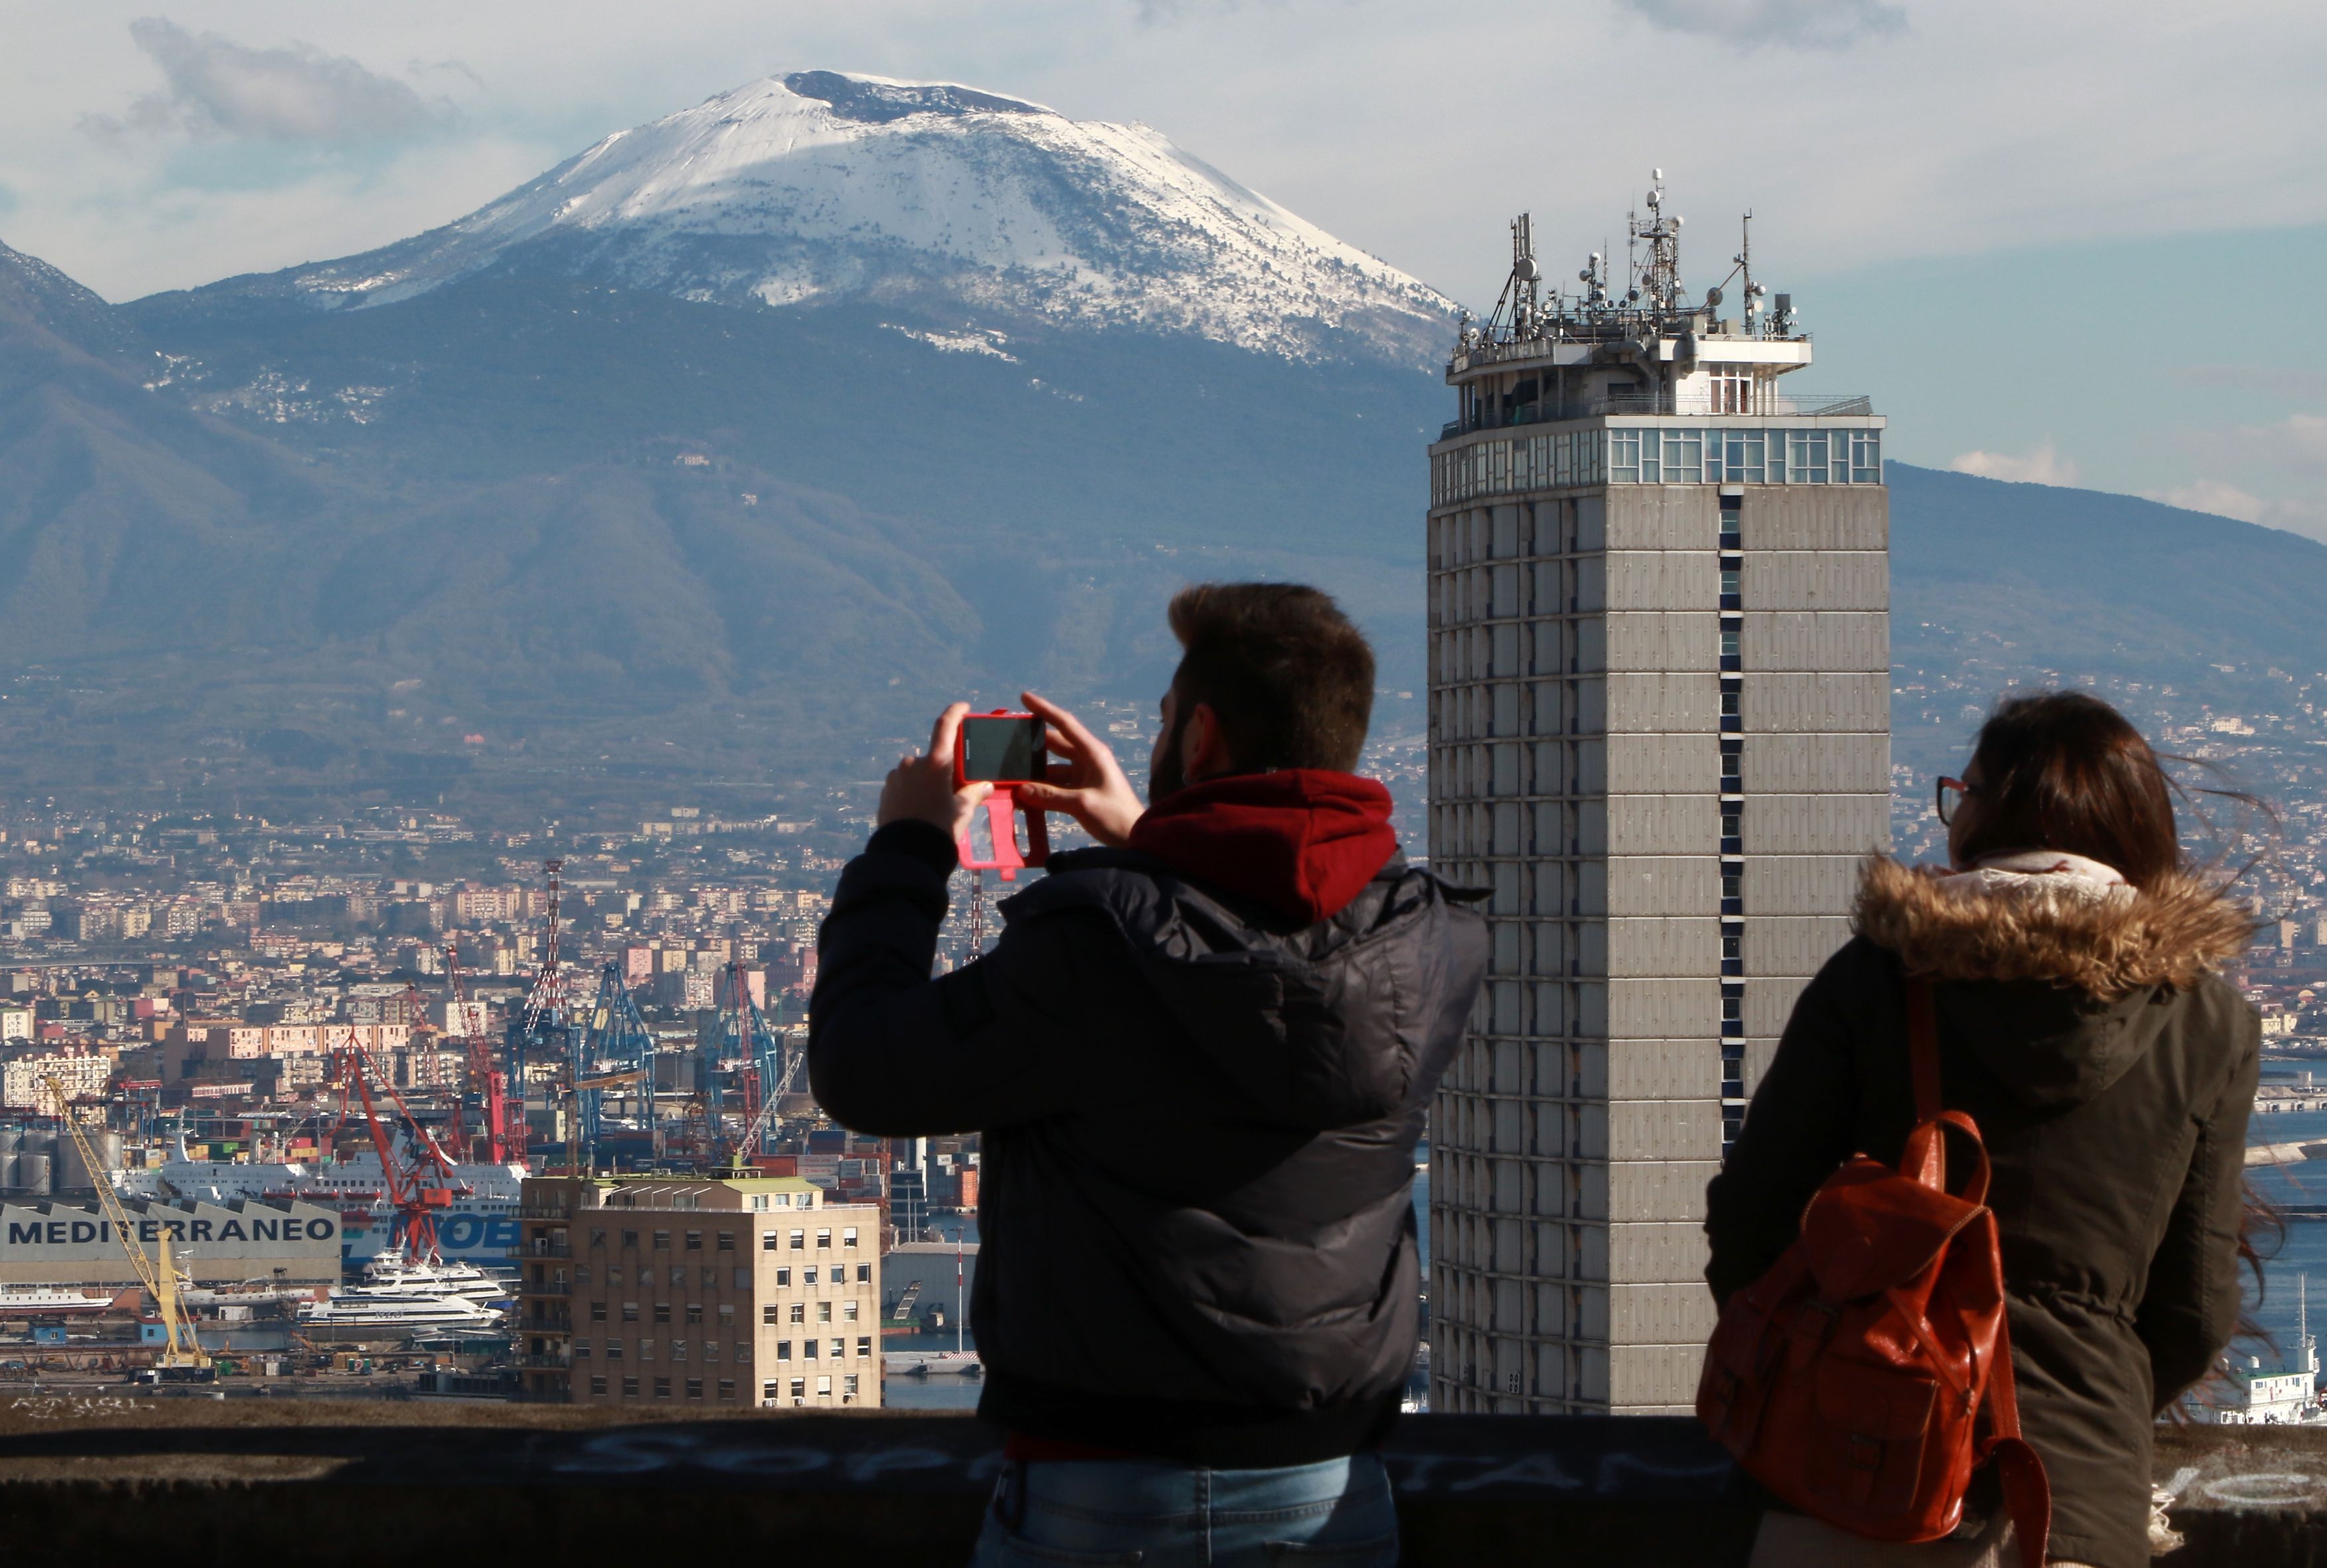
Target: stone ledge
(252, 1477)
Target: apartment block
(718, 1293)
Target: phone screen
(1002, 750)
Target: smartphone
(999, 748)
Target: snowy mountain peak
(979, 211)
(880, 99)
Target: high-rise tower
(1659, 702)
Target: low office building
(724, 1290)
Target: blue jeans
(1160, 1515)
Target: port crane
(417, 1194)
(181, 1349)
(766, 1074)
(488, 1086)
(617, 1034)
(542, 1030)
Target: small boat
(932, 1364)
(47, 1301)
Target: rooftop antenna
(1659, 276)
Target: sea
(2301, 1253)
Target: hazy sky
(2067, 241)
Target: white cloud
(214, 88)
(1802, 24)
(2217, 497)
(2044, 465)
(150, 237)
(2297, 444)
(2222, 499)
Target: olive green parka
(2111, 1070)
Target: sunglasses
(1950, 793)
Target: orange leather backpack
(1852, 1379)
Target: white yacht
(393, 1272)
(360, 1314)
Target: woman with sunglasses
(2083, 1024)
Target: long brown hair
(2063, 770)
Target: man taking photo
(1199, 1058)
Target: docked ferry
(478, 1228)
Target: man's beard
(1166, 777)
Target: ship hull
(481, 1231)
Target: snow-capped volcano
(971, 209)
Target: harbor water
(2300, 1184)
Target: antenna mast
(548, 992)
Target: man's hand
(919, 787)
(1088, 785)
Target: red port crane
(487, 1084)
(418, 1193)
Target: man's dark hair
(1290, 680)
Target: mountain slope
(963, 208)
(2041, 577)
(557, 502)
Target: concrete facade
(714, 1292)
(1660, 734)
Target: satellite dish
(1583, 276)
(1712, 297)
(1675, 221)
(1633, 295)
(1527, 269)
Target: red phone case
(1001, 809)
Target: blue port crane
(744, 1036)
(616, 1050)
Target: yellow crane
(181, 1345)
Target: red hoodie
(1302, 841)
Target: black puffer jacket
(1198, 1238)
(2110, 1074)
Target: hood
(1331, 1025)
(1300, 842)
(2075, 984)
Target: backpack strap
(1926, 1152)
(2027, 1491)
(1923, 1047)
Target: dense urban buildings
(1660, 715)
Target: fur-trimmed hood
(2174, 933)
(2057, 992)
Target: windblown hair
(2063, 770)
(1288, 677)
